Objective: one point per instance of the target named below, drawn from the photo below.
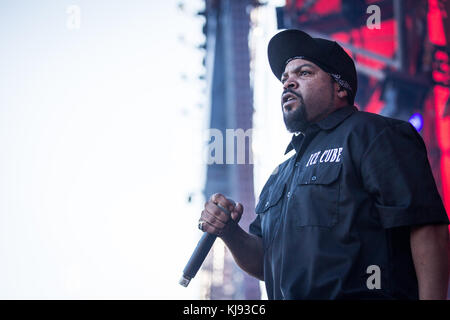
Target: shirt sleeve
(396, 172)
(255, 227)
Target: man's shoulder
(370, 119)
(371, 124)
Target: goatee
(296, 120)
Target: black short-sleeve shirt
(342, 206)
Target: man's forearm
(247, 251)
(429, 247)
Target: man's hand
(215, 220)
(246, 248)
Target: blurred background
(107, 110)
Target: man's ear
(342, 93)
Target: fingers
(216, 212)
(218, 198)
(236, 214)
(215, 220)
(211, 223)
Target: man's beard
(296, 120)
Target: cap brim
(287, 44)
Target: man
(354, 213)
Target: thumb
(237, 212)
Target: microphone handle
(198, 256)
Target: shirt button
(267, 203)
(288, 194)
(297, 164)
(313, 178)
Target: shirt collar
(336, 117)
(330, 122)
(295, 143)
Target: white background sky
(97, 133)
(101, 132)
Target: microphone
(200, 252)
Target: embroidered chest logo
(329, 155)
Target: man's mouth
(287, 100)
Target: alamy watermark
(233, 147)
(73, 21)
(374, 20)
(374, 280)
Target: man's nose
(290, 84)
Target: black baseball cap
(328, 55)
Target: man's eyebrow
(297, 69)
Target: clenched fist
(215, 221)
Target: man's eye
(304, 72)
